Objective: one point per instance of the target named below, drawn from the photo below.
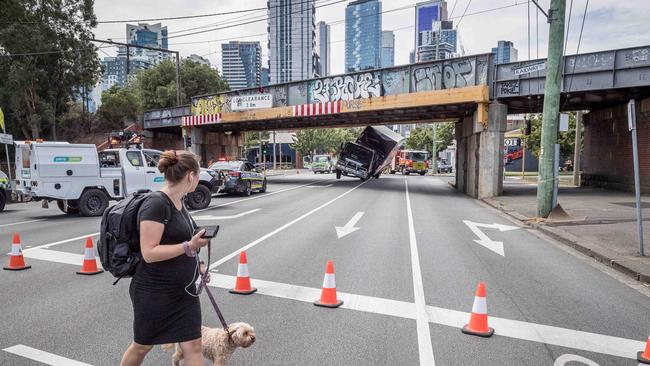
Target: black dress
(163, 311)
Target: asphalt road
(407, 275)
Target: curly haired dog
(218, 345)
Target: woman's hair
(175, 165)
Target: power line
(584, 16)
(462, 16)
(50, 52)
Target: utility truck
(369, 154)
(81, 180)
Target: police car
(4, 188)
(244, 178)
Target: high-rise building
(323, 47)
(435, 36)
(292, 38)
(265, 76)
(387, 49)
(504, 52)
(199, 59)
(143, 34)
(362, 35)
(241, 64)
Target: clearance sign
(255, 101)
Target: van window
(134, 157)
(151, 158)
(109, 159)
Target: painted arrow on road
(484, 240)
(349, 228)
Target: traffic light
(188, 142)
(265, 148)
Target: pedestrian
(166, 308)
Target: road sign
(527, 69)
(255, 101)
(6, 138)
(512, 141)
(564, 122)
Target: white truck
(82, 180)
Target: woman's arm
(150, 234)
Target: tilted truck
(81, 180)
(369, 154)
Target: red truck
(410, 161)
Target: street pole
(259, 152)
(523, 160)
(274, 160)
(578, 147)
(434, 154)
(631, 119)
(551, 109)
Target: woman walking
(166, 308)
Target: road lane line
(539, 333)
(21, 223)
(254, 197)
(424, 335)
(46, 246)
(57, 256)
(42, 356)
(266, 236)
(210, 217)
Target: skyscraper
(504, 52)
(241, 64)
(435, 36)
(387, 49)
(323, 47)
(292, 33)
(362, 35)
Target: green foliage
(36, 90)
(251, 139)
(119, 107)
(565, 139)
(157, 86)
(322, 140)
(420, 137)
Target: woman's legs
(135, 354)
(192, 352)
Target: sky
(609, 24)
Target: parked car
(322, 164)
(244, 178)
(444, 167)
(4, 188)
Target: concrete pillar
(490, 152)
(197, 137)
(461, 146)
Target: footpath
(599, 223)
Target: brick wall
(607, 158)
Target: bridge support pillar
(479, 152)
(211, 146)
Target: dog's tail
(168, 346)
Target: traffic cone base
(243, 283)
(90, 273)
(328, 298)
(16, 259)
(487, 334)
(240, 292)
(640, 358)
(334, 305)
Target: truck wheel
(3, 200)
(93, 202)
(263, 190)
(422, 173)
(200, 198)
(71, 209)
(338, 174)
(377, 175)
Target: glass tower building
(435, 36)
(504, 52)
(323, 47)
(241, 64)
(387, 49)
(362, 35)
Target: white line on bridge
(424, 335)
(266, 236)
(42, 356)
(21, 222)
(563, 337)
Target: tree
(157, 86)
(420, 137)
(322, 140)
(119, 107)
(38, 87)
(565, 139)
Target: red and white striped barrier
(316, 109)
(201, 120)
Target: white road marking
(266, 236)
(57, 256)
(42, 356)
(424, 335)
(46, 246)
(484, 240)
(563, 337)
(210, 217)
(566, 358)
(254, 197)
(329, 185)
(21, 223)
(349, 228)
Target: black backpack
(119, 241)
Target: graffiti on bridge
(446, 75)
(207, 105)
(347, 87)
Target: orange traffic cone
(328, 295)
(644, 357)
(89, 266)
(243, 284)
(478, 322)
(16, 260)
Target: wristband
(188, 251)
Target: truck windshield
(321, 159)
(418, 156)
(358, 154)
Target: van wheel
(3, 200)
(200, 198)
(72, 210)
(338, 174)
(93, 202)
(263, 190)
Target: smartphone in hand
(210, 231)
